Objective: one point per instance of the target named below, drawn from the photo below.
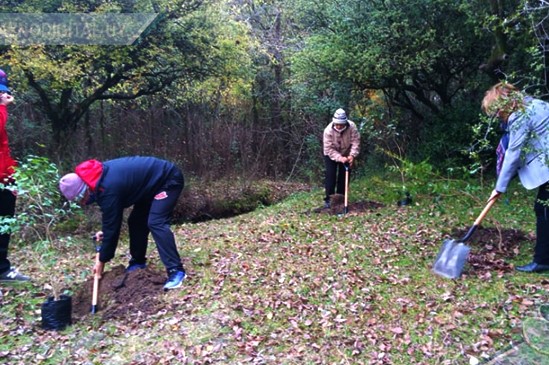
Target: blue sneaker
(134, 266)
(175, 280)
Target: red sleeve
(3, 117)
(7, 164)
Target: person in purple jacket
(152, 186)
(526, 155)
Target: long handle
(95, 287)
(346, 189)
(479, 219)
(94, 297)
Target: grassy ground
(287, 285)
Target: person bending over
(152, 186)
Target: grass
(285, 285)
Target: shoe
(326, 205)
(12, 276)
(533, 267)
(175, 280)
(134, 266)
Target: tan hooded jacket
(341, 144)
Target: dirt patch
(136, 294)
(491, 249)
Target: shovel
(453, 254)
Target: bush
(39, 202)
(39, 209)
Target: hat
(71, 185)
(4, 82)
(340, 117)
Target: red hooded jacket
(7, 163)
(90, 171)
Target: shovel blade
(451, 259)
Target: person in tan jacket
(341, 145)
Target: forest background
(242, 90)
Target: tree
(420, 53)
(68, 80)
(270, 25)
(536, 14)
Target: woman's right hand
(494, 194)
(98, 236)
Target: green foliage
(228, 84)
(68, 80)
(312, 165)
(424, 181)
(444, 139)
(519, 29)
(482, 153)
(38, 201)
(421, 52)
(277, 69)
(39, 210)
(415, 178)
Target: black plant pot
(406, 201)
(57, 314)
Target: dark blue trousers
(154, 216)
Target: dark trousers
(335, 177)
(7, 209)
(541, 207)
(154, 216)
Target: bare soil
(493, 248)
(122, 295)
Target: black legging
(7, 209)
(541, 207)
(335, 176)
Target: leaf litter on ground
(282, 286)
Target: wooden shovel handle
(95, 290)
(485, 210)
(479, 219)
(95, 286)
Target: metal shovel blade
(451, 259)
